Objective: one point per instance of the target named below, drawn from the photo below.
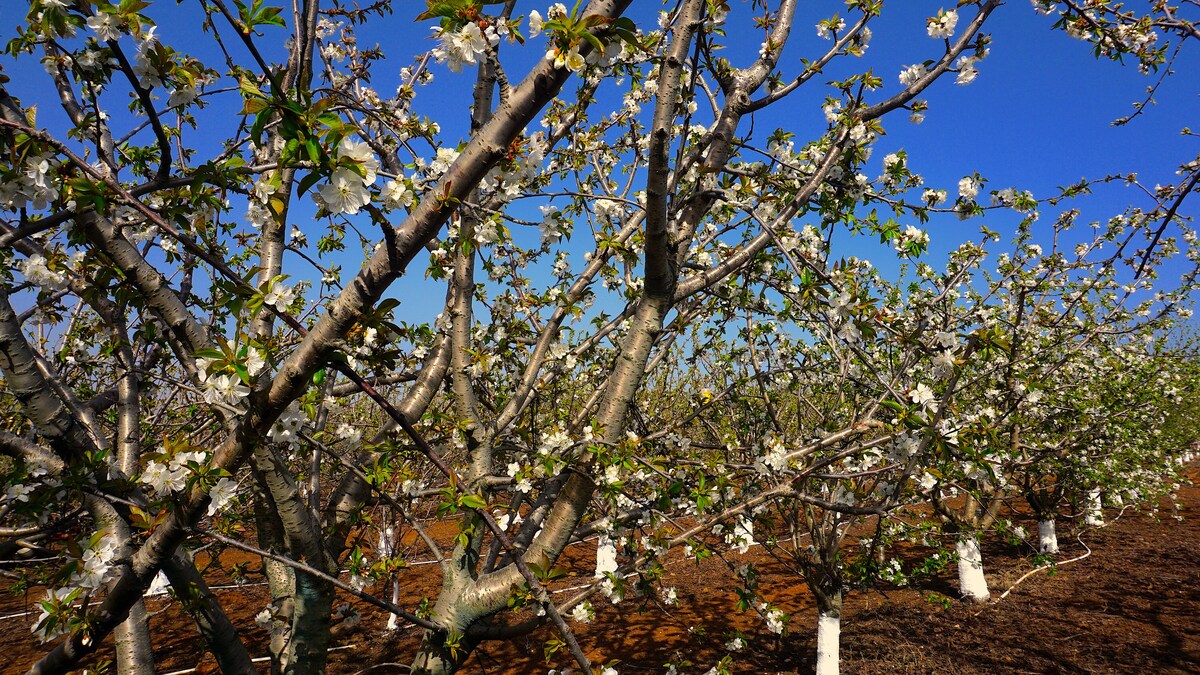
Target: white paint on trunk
(394, 620)
(829, 629)
(387, 549)
(971, 582)
(1093, 515)
(387, 543)
(606, 556)
(158, 586)
(1047, 537)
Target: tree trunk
(308, 648)
(1093, 514)
(135, 656)
(1047, 537)
(132, 638)
(606, 556)
(829, 630)
(971, 582)
(444, 652)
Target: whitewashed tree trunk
(394, 620)
(606, 556)
(971, 582)
(1093, 514)
(829, 630)
(387, 549)
(1047, 537)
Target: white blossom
(942, 25)
(968, 188)
(912, 73)
(105, 25)
(225, 389)
(221, 494)
(344, 193)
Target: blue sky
(1037, 117)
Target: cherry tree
(204, 332)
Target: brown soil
(1129, 607)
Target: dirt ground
(1131, 606)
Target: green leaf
(253, 106)
(472, 502)
(593, 41)
(209, 354)
(308, 181)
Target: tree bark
(971, 582)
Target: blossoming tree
(204, 328)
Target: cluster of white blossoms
(1011, 198)
(968, 188)
(608, 211)
(903, 447)
(57, 602)
(561, 353)
(398, 193)
(933, 197)
(807, 243)
(95, 565)
(1044, 7)
(522, 476)
(225, 389)
(942, 25)
(569, 58)
(466, 46)
(106, 26)
(511, 180)
(17, 493)
(910, 74)
(34, 187)
(583, 612)
(171, 477)
(740, 535)
(775, 457)
(911, 235)
(35, 270)
(347, 190)
(967, 72)
(943, 364)
(287, 426)
(669, 596)
(965, 65)
(828, 28)
(552, 225)
(774, 616)
(844, 307)
(144, 65)
(351, 435)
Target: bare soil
(1131, 606)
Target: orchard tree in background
(644, 319)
